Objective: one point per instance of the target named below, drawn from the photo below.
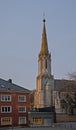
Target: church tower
(44, 81)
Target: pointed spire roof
(44, 44)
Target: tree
(72, 76)
(32, 98)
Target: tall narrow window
(40, 66)
(46, 64)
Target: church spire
(44, 44)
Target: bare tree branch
(72, 76)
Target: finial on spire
(44, 18)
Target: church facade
(50, 91)
(43, 112)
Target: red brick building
(14, 104)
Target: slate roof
(8, 85)
(64, 85)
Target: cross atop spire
(44, 44)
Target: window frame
(20, 123)
(6, 123)
(21, 96)
(21, 107)
(6, 98)
(6, 109)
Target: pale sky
(20, 38)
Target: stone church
(44, 80)
(53, 92)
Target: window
(6, 121)
(21, 109)
(5, 98)
(46, 64)
(6, 109)
(37, 120)
(22, 120)
(22, 98)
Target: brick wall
(65, 118)
(14, 103)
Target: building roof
(64, 85)
(8, 85)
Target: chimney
(10, 80)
